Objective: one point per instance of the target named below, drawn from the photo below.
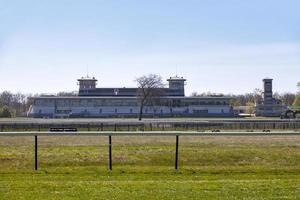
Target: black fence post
(36, 152)
(176, 154)
(110, 153)
(101, 126)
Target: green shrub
(5, 112)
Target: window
(131, 110)
(200, 111)
(116, 110)
(100, 111)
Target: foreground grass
(144, 168)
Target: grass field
(143, 168)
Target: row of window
(98, 103)
(155, 111)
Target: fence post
(36, 152)
(110, 153)
(176, 154)
(101, 126)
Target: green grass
(143, 168)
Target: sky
(218, 46)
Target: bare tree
(207, 94)
(257, 95)
(150, 88)
(286, 98)
(297, 98)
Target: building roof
(176, 78)
(87, 78)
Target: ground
(143, 167)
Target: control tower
(268, 91)
(270, 107)
(86, 83)
(177, 84)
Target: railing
(110, 134)
(161, 125)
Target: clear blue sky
(219, 46)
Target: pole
(36, 152)
(176, 154)
(110, 153)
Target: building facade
(123, 102)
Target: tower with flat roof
(86, 83)
(177, 84)
(268, 91)
(269, 107)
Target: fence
(154, 126)
(138, 134)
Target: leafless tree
(150, 89)
(207, 94)
(257, 95)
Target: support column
(176, 154)
(35, 153)
(110, 153)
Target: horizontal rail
(144, 133)
(150, 133)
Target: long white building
(123, 102)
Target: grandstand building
(123, 102)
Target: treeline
(17, 104)
(250, 98)
(12, 105)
